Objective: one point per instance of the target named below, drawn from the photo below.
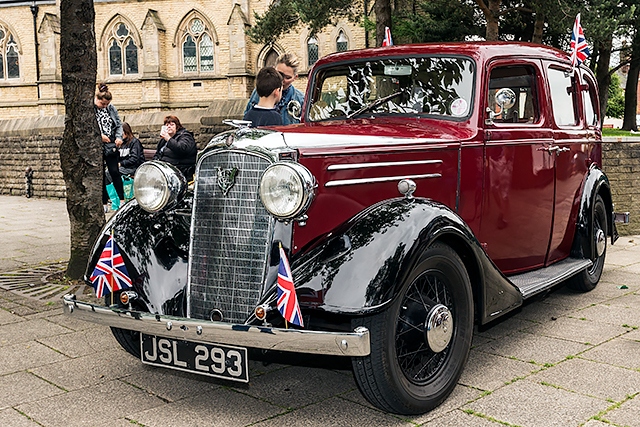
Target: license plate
(215, 360)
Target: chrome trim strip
(382, 164)
(340, 182)
(356, 343)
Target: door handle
(554, 149)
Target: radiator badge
(226, 179)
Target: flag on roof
(387, 37)
(110, 274)
(579, 48)
(287, 298)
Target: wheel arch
(596, 184)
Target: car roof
(481, 51)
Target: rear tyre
(421, 342)
(587, 280)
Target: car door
(573, 140)
(518, 198)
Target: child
(269, 88)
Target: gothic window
(9, 56)
(342, 43)
(312, 50)
(270, 58)
(197, 47)
(122, 51)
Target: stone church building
(155, 55)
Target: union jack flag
(387, 37)
(287, 298)
(110, 274)
(579, 49)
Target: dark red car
(428, 188)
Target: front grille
(230, 238)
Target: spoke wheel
(419, 344)
(588, 279)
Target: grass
(619, 132)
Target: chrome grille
(230, 238)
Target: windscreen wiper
(374, 104)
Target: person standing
(287, 65)
(131, 152)
(269, 88)
(177, 146)
(111, 132)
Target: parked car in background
(428, 188)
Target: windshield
(426, 86)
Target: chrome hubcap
(439, 328)
(601, 242)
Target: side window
(521, 79)
(590, 100)
(563, 100)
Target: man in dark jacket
(177, 147)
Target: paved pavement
(564, 360)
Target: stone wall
(34, 143)
(621, 163)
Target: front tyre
(421, 342)
(587, 280)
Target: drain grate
(34, 283)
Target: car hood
(351, 133)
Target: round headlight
(157, 185)
(286, 189)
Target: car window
(521, 79)
(589, 98)
(561, 84)
(435, 86)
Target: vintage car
(427, 189)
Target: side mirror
(505, 98)
(295, 109)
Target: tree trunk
(382, 10)
(602, 74)
(81, 147)
(491, 12)
(538, 28)
(631, 88)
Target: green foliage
(615, 104)
(283, 16)
(434, 21)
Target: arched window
(270, 58)
(9, 56)
(122, 51)
(197, 47)
(342, 43)
(312, 50)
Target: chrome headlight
(286, 189)
(158, 185)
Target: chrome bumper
(355, 343)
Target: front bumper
(356, 343)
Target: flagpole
(111, 278)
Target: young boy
(269, 89)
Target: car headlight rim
(158, 186)
(286, 190)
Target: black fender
(155, 251)
(359, 268)
(595, 183)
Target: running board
(540, 280)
